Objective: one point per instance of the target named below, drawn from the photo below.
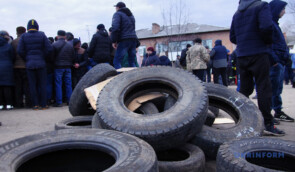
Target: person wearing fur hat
(80, 62)
(21, 88)
(150, 59)
(6, 72)
(34, 48)
(123, 35)
(100, 48)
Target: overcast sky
(82, 16)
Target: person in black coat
(6, 72)
(100, 48)
(150, 59)
(64, 60)
(164, 60)
(80, 62)
(34, 48)
(183, 55)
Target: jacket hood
(32, 25)
(103, 33)
(126, 11)
(245, 4)
(3, 41)
(276, 7)
(218, 42)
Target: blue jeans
(63, 76)
(277, 79)
(127, 46)
(37, 85)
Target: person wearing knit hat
(21, 88)
(34, 48)
(100, 47)
(6, 72)
(150, 59)
(80, 62)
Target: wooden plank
(125, 69)
(136, 103)
(223, 121)
(93, 92)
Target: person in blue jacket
(280, 55)
(150, 59)
(164, 60)
(7, 57)
(34, 48)
(251, 30)
(123, 35)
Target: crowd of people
(36, 71)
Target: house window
(161, 48)
(142, 50)
(208, 43)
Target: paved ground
(19, 123)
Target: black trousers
(217, 72)
(21, 88)
(257, 67)
(6, 95)
(200, 73)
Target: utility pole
(88, 31)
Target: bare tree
(175, 18)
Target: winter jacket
(6, 63)
(219, 55)
(197, 57)
(252, 28)
(293, 61)
(123, 25)
(64, 54)
(100, 48)
(34, 47)
(183, 57)
(280, 51)
(81, 57)
(151, 60)
(19, 62)
(164, 61)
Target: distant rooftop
(190, 28)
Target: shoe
(271, 130)
(275, 122)
(57, 105)
(36, 108)
(45, 107)
(9, 107)
(1, 107)
(255, 97)
(281, 116)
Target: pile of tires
(173, 132)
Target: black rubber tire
(148, 108)
(213, 110)
(249, 121)
(170, 102)
(186, 158)
(210, 119)
(78, 150)
(239, 155)
(165, 130)
(78, 105)
(77, 122)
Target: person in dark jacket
(183, 55)
(150, 59)
(280, 56)
(64, 59)
(123, 35)
(218, 56)
(21, 88)
(34, 47)
(6, 72)
(164, 60)
(80, 62)
(100, 48)
(251, 30)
